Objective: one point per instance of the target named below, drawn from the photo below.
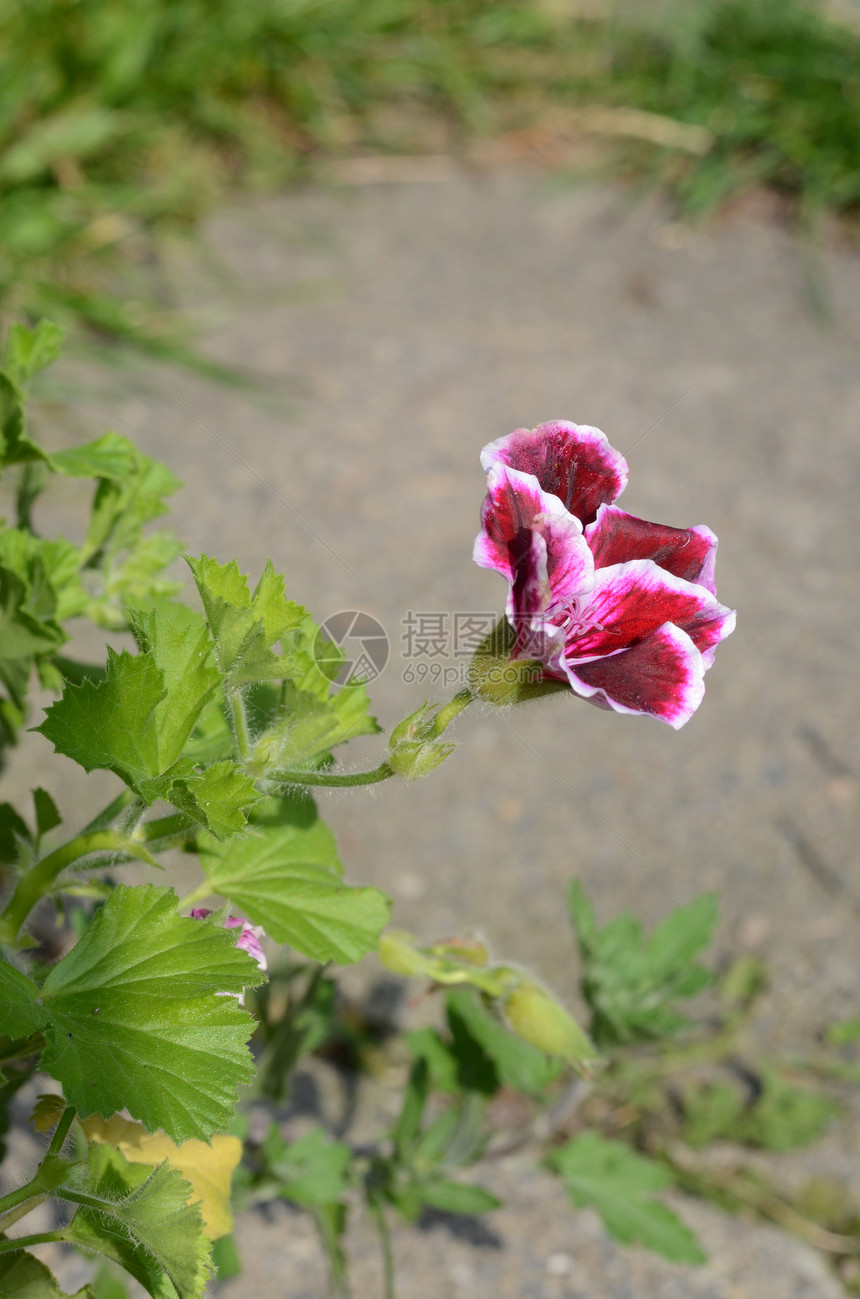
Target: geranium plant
(225, 709)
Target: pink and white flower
(623, 610)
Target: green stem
(30, 1191)
(62, 1130)
(333, 780)
(461, 700)
(36, 881)
(24, 1242)
(385, 1240)
(240, 725)
(15, 1215)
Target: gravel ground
(408, 325)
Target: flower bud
(413, 759)
(539, 1019)
(397, 954)
(500, 679)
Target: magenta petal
(662, 676)
(630, 601)
(616, 537)
(249, 938)
(574, 462)
(514, 510)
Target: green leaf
(138, 998)
(125, 502)
(219, 798)
(137, 719)
(784, 1116)
(76, 130)
(110, 456)
(244, 625)
(408, 1125)
(113, 724)
(14, 833)
(314, 720)
(178, 642)
(24, 1277)
(426, 1044)
(457, 1197)
(107, 1284)
(47, 816)
(620, 1184)
(631, 982)
(29, 631)
(310, 1171)
(284, 873)
(20, 1012)
(144, 1223)
(519, 1064)
(15, 447)
(30, 350)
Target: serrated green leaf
(125, 502)
(311, 727)
(285, 874)
(20, 1012)
(137, 998)
(312, 1170)
(219, 798)
(178, 641)
(113, 724)
(631, 983)
(30, 350)
(244, 626)
(16, 448)
(28, 627)
(611, 1178)
(24, 1277)
(144, 1224)
(456, 1197)
(519, 1064)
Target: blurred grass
(122, 117)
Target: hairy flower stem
(332, 780)
(461, 700)
(240, 725)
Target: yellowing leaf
(47, 1111)
(208, 1169)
